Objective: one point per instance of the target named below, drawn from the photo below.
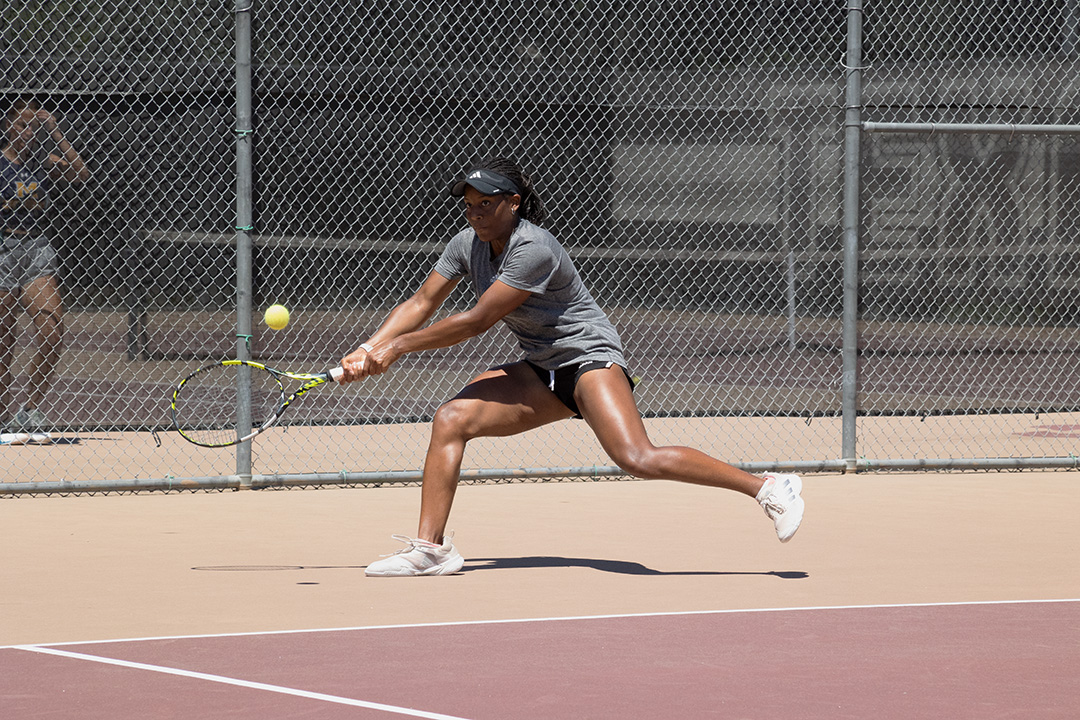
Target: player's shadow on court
(620, 567)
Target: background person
(28, 263)
(573, 365)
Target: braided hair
(532, 207)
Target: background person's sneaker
(26, 438)
(419, 558)
(781, 500)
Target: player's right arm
(69, 165)
(410, 315)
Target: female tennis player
(573, 365)
(27, 261)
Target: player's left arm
(494, 304)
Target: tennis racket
(205, 403)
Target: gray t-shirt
(559, 324)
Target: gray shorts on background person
(24, 260)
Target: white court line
(240, 683)
(51, 649)
(405, 626)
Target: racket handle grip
(336, 373)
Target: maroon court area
(996, 660)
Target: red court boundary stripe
(410, 712)
(733, 611)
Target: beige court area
(117, 566)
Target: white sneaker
(780, 499)
(26, 438)
(419, 558)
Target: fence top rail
(799, 255)
(313, 242)
(989, 128)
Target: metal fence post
(244, 219)
(851, 199)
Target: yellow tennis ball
(277, 317)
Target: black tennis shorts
(563, 381)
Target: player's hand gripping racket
(205, 403)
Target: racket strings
(208, 404)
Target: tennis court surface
(903, 595)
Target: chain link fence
(968, 264)
(693, 156)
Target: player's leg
(504, 401)
(9, 304)
(607, 404)
(606, 401)
(42, 301)
(501, 402)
